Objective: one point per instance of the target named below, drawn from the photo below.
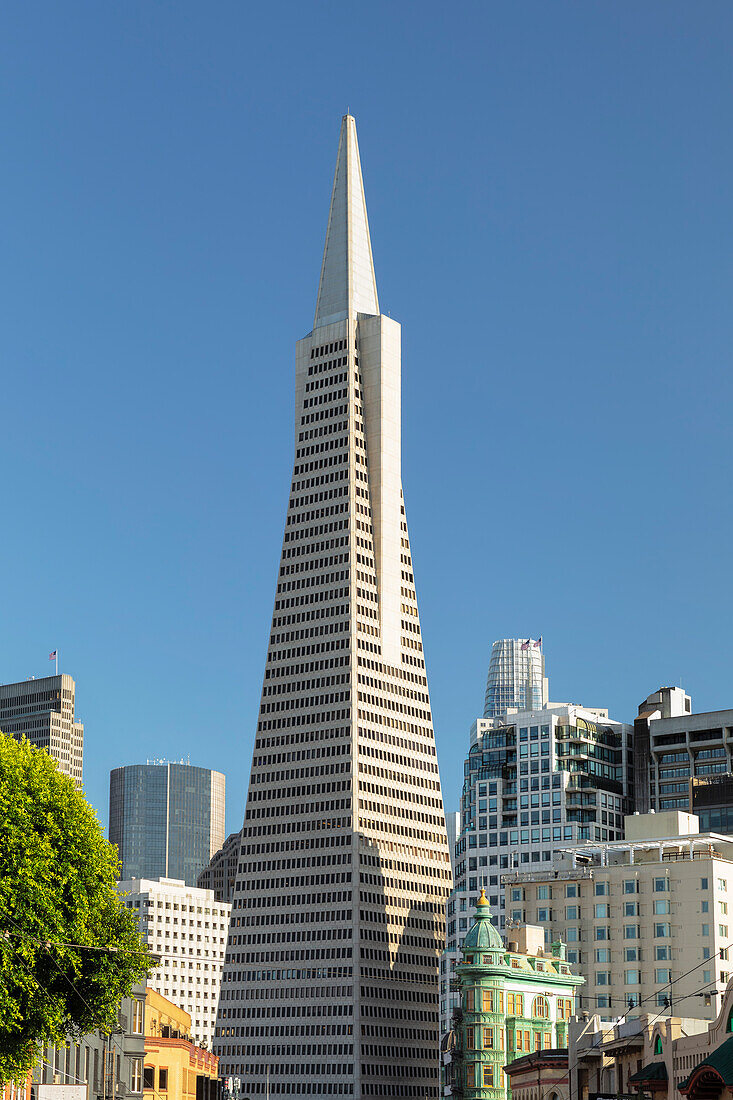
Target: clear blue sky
(549, 190)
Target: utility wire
(607, 1031)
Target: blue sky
(549, 191)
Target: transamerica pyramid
(330, 983)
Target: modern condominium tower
(330, 983)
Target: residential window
(723, 930)
(603, 955)
(662, 952)
(661, 884)
(544, 916)
(722, 884)
(703, 884)
(632, 954)
(544, 893)
(572, 912)
(706, 929)
(661, 907)
(632, 977)
(540, 1008)
(662, 930)
(631, 908)
(136, 1073)
(149, 1077)
(601, 911)
(571, 891)
(630, 886)
(138, 1017)
(631, 931)
(601, 933)
(661, 975)
(163, 1079)
(723, 907)
(601, 889)
(603, 977)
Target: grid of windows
(343, 872)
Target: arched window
(729, 1025)
(540, 1008)
(658, 1044)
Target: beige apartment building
(648, 920)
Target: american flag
(52, 656)
(525, 645)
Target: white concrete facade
(339, 903)
(186, 927)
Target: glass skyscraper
(516, 676)
(166, 819)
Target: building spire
(348, 284)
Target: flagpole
(57, 662)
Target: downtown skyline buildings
(338, 907)
(43, 710)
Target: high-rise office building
(166, 818)
(516, 677)
(220, 873)
(43, 711)
(684, 761)
(533, 781)
(331, 975)
(186, 928)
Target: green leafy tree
(69, 950)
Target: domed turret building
(514, 1000)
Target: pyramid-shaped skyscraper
(330, 985)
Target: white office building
(186, 928)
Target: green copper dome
(483, 933)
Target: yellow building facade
(175, 1068)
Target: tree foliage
(58, 907)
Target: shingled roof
(717, 1067)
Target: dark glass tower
(166, 819)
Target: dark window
(162, 1079)
(149, 1077)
